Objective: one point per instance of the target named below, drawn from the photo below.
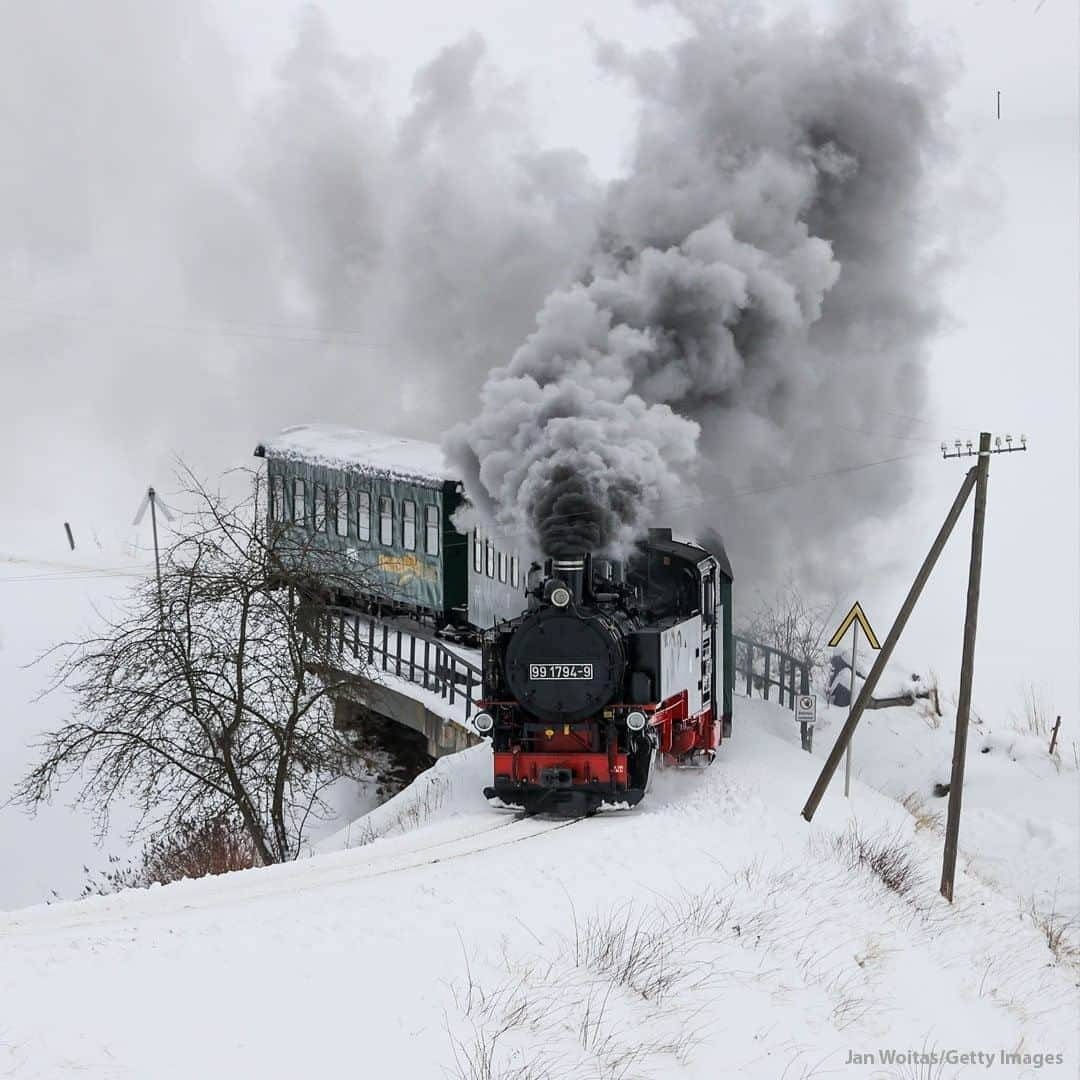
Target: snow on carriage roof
(340, 447)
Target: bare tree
(218, 702)
(790, 622)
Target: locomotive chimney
(574, 570)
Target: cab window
(408, 525)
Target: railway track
(128, 910)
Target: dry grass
(888, 858)
(1038, 715)
(428, 796)
(926, 819)
(1062, 933)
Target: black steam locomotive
(613, 664)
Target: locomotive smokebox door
(564, 668)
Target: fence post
(427, 662)
(768, 657)
(398, 670)
(371, 640)
(356, 637)
(749, 669)
(412, 658)
(468, 693)
(453, 679)
(385, 646)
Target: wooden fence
(759, 668)
(419, 660)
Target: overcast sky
(155, 293)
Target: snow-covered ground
(711, 932)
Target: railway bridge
(431, 686)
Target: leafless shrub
(195, 849)
(212, 694)
(888, 858)
(787, 620)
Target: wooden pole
(1054, 734)
(867, 692)
(152, 496)
(967, 667)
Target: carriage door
(708, 634)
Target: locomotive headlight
(635, 720)
(483, 722)
(560, 596)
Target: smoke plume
(759, 291)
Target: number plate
(560, 671)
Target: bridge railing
(420, 660)
(760, 667)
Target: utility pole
(967, 663)
(151, 499)
(867, 692)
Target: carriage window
(708, 597)
(477, 553)
(386, 521)
(320, 508)
(277, 498)
(299, 506)
(489, 558)
(342, 523)
(431, 530)
(502, 566)
(408, 525)
(363, 516)
(515, 573)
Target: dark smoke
(760, 287)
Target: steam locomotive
(613, 664)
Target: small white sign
(805, 709)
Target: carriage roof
(351, 449)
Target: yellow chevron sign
(856, 613)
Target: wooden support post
(371, 640)
(427, 663)
(884, 656)
(468, 693)
(397, 670)
(768, 654)
(385, 647)
(967, 671)
(412, 658)
(450, 668)
(749, 668)
(1054, 734)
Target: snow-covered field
(710, 933)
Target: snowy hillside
(712, 932)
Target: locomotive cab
(610, 667)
